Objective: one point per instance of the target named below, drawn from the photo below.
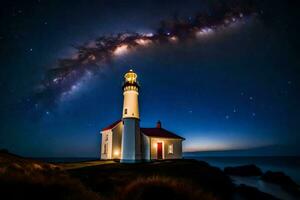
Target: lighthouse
(126, 140)
(131, 136)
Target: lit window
(170, 149)
(105, 148)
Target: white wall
(131, 140)
(131, 104)
(113, 139)
(117, 141)
(145, 147)
(106, 141)
(177, 148)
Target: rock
(283, 180)
(245, 170)
(278, 178)
(4, 151)
(247, 192)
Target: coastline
(288, 164)
(110, 179)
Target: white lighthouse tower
(131, 137)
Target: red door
(159, 150)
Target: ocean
(289, 165)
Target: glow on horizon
(218, 147)
(216, 142)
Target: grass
(157, 187)
(108, 180)
(22, 178)
(68, 166)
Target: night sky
(235, 86)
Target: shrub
(245, 170)
(156, 187)
(34, 182)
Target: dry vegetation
(183, 179)
(161, 188)
(22, 178)
(27, 179)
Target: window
(170, 149)
(106, 137)
(105, 149)
(125, 111)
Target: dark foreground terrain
(180, 179)
(22, 178)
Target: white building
(127, 141)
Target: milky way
(92, 57)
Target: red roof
(151, 132)
(112, 125)
(160, 132)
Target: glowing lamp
(116, 153)
(130, 76)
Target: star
(250, 98)
(253, 114)
(227, 117)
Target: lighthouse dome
(130, 79)
(130, 76)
